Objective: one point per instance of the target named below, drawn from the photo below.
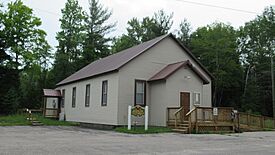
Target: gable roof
(116, 61)
(51, 93)
(172, 68)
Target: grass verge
(140, 130)
(13, 120)
(21, 119)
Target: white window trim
(193, 97)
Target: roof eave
(86, 78)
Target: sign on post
(138, 111)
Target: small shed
(52, 103)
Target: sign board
(215, 111)
(138, 111)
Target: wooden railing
(176, 114)
(256, 121)
(203, 119)
(200, 115)
(170, 113)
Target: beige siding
(158, 103)
(95, 113)
(145, 66)
(180, 82)
(167, 94)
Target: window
(140, 92)
(196, 98)
(104, 93)
(63, 98)
(73, 97)
(87, 96)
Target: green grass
(21, 119)
(13, 120)
(54, 122)
(269, 123)
(140, 130)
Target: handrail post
(176, 120)
(189, 123)
(196, 120)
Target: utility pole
(272, 77)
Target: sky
(198, 12)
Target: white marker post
(129, 117)
(146, 118)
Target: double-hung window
(74, 97)
(104, 93)
(140, 92)
(196, 98)
(63, 98)
(87, 95)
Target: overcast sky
(197, 12)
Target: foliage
(184, 33)
(96, 44)
(146, 29)
(256, 45)
(140, 130)
(70, 41)
(22, 46)
(10, 101)
(215, 46)
(22, 36)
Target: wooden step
(183, 125)
(180, 130)
(37, 123)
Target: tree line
(238, 58)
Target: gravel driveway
(51, 140)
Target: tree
(22, 45)
(21, 34)
(70, 40)
(215, 46)
(97, 44)
(256, 43)
(139, 31)
(184, 32)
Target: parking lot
(75, 140)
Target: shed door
(185, 102)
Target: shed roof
(172, 68)
(116, 61)
(51, 93)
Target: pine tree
(70, 40)
(97, 44)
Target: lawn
(268, 123)
(21, 119)
(140, 130)
(13, 120)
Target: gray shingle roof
(172, 68)
(116, 61)
(51, 93)
(112, 62)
